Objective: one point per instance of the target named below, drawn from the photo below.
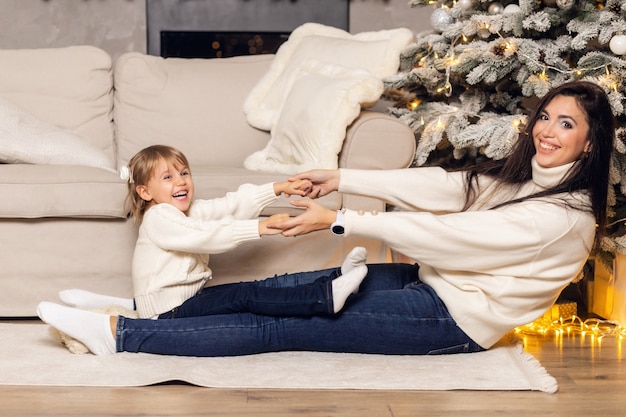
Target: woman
(495, 245)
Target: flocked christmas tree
(467, 86)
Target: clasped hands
(312, 184)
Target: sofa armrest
(377, 141)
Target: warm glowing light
(414, 104)
(446, 89)
(596, 328)
(516, 124)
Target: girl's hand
(264, 230)
(324, 181)
(296, 187)
(315, 217)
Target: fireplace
(218, 44)
(224, 28)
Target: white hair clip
(125, 174)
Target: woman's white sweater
(494, 269)
(170, 263)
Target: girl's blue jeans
(257, 297)
(393, 313)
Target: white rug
(30, 356)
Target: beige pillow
(70, 87)
(26, 139)
(377, 52)
(323, 100)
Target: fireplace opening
(218, 44)
(225, 28)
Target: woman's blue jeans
(393, 313)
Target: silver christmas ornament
(511, 8)
(465, 4)
(618, 44)
(495, 8)
(440, 19)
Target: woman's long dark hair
(591, 174)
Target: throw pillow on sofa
(377, 52)
(26, 139)
(323, 100)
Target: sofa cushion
(33, 191)
(216, 181)
(322, 101)
(70, 87)
(26, 139)
(192, 104)
(377, 52)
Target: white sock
(356, 257)
(91, 329)
(347, 284)
(90, 300)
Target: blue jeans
(257, 297)
(393, 313)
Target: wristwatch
(338, 227)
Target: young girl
(495, 245)
(177, 234)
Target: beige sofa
(65, 226)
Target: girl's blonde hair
(141, 167)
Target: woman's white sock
(91, 329)
(90, 300)
(356, 257)
(347, 284)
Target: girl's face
(168, 184)
(560, 133)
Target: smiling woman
(561, 132)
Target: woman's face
(560, 133)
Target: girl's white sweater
(170, 263)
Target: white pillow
(377, 52)
(26, 139)
(323, 100)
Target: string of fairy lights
(595, 328)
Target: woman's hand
(324, 181)
(265, 230)
(315, 217)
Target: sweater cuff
(265, 195)
(245, 230)
(363, 223)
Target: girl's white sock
(91, 329)
(347, 284)
(90, 300)
(356, 257)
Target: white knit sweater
(170, 263)
(494, 269)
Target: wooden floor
(591, 377)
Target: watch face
(337, 229)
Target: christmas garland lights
(574, 325)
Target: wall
(119, 26)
